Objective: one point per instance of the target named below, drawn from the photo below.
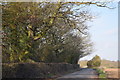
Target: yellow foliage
(36, 37)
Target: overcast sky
(104, 33)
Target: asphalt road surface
(83, 74)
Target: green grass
(50, 75)
(101, 73)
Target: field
(110, 67)
(112, 72)
(104, 63)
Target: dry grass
(112, 73)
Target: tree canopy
(95, 62)
(45, 31)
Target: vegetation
(95, 62)
(36, 70)
(101, 73)
(109, 64)
(104, 64)
(42, 32)
(46, 31)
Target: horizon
(101, 59)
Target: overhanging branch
(99, 4)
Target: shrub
(95, 62)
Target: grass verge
(101, 73)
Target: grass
(50, 75)
(101, 73)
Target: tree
(90, 64)
(42, 31)
(95, 62)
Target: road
(83, 74)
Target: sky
(104, 33)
